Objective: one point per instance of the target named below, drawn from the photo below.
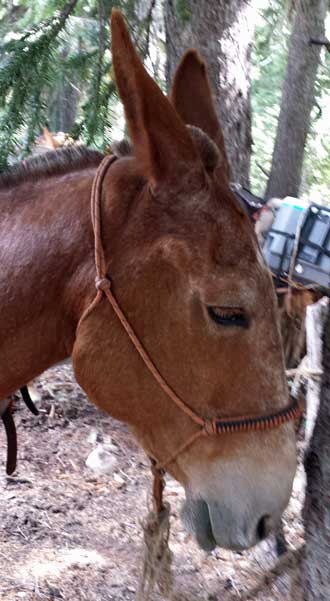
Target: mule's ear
(161, 141)
(192, 98)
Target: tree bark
(222, 32)
(316, 568)
(63, 105)
(63, 109)
(297, 99)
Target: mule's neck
(47, 271)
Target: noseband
(206, 426)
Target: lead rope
(157, 556)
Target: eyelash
(228, 316)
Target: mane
(64, 160)
(55, 162)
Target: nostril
(264, 527)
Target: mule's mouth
(196, 518)
(214, 525)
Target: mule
(188, 273)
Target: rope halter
(206, 426)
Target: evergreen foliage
(268, 66)
(55, 68)
(26, 69)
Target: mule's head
(188, 273)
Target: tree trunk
(222, 31)
(316, 568)
(64, 107)
(64, 104)
(297, 99)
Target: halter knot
(210, 427)
(102, 283)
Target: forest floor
(69, 534)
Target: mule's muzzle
(215, 525)
(196, 518)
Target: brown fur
(194, 105)
(176, 243)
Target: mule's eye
(228, 316)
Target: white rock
(92, 437)
(120, 482)
(34, 393)
(102, 460)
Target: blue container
(312, 226)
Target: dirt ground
(69, 534)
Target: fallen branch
(287, 562)
(315, 42)
(264, 171)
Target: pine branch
(67, 10)
(95, 110)
(38, 63)
(325, 43)
(148, 21)
(25, 72)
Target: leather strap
(10, 428)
